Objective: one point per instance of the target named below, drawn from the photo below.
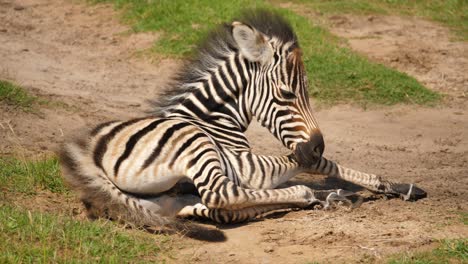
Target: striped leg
(325, 199)
(223, 193)
(190, 205)
(229, 216)
(267, 172)
(217, 191)
(262, 172)
(369, 181)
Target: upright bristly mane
(216, 47)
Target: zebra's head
(277, 93)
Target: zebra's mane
(214, 48)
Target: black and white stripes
(245, 70)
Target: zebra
(250, 68)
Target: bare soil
(422, 49)
(84, 58)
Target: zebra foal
(251, 68)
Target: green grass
(449, 251)
(451, 13)
(336, 74)
(183, 23)
(28, 176)
(31, 237)
(464, 217)
(15, 95)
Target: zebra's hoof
(354, 198)
(330, 198)
(409, 192)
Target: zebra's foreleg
(408, 192)
(272, 171)
(263, 172)
(217, 191)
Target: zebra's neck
(218, 96)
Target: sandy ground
(420, 48)
(83, 57)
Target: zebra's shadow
(327, 183)
(312, 181)
(316, 182)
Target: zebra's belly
(157, 177)
(145, 158)
(148, 184)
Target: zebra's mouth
(309, 153)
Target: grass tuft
(15, 95)
(451, 13)
(336, 74)
(183, 23)
(449, 251)
(25, 176)
(31, 237)
(464, 217)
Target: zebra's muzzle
(310, 152)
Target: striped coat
(250, 68)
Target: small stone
(18, 8)
(268, 250)
(76, 211)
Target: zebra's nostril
(316, 139)
(310, 152)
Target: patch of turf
(31, 237)
(183, 23)
(464, 218)
(449, 251)
(15, 95)
(336, 74)
(26, 176)
(451, 13)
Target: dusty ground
(82, 56)
(420, 48)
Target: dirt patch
(82, 56)
(47, 202)
(401, 143)
(418, 47)
(76, 54)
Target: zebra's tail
(99, 194)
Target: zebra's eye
(288, 95)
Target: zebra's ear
(252, 44)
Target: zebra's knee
(212, 199)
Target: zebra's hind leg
(167, 205)
(330, 198)
(406, 191)
(324, 199)
(230, 216)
